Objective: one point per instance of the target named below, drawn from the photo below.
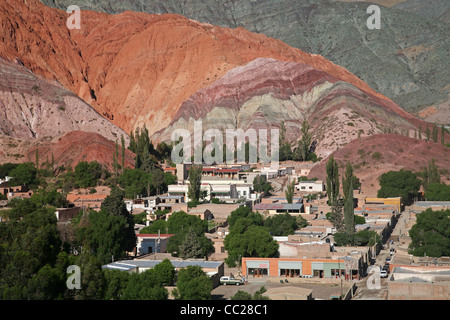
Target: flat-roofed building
(289, 293)
(348, 266)
(143, 204)
(420, 206)
(214, 269)
(66, 214)
(419, 283)
(277, 208)
(151, 243)
(310, 186)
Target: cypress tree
(122, 141)
(332, 181)
(289, 193)
(349, 213)
(435, 133)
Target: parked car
(229, 280)
(385, 267)
(384, 273)
(388, 260)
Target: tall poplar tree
(332, 181)
(195, 179)
(289, 192)
(349, 211)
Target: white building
(310, 186)
(5, 180)
(147, 204)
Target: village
(309, 264)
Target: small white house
(310, 186)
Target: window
(257, 272)
(337, 273)
(290, 272)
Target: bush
(376, 156)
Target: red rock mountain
(76, 146)
(266, 92)
(137, 68)
(40, 114)
(164, 71)
(34, 108)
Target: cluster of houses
(308, 253)
(14, 192)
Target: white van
(228, 280)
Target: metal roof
(132, 264)
(278, 206)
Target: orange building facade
(349, 268)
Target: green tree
(359, 220)
(281, 224)
(401, 183)
(303, 148)
(191, 246)
(6, 168)
(135, 182)
(285, 146)
(261, 185)
(116, 282)
(435, 133)
(47, 284)
(87, 174)
(195, 179)
(179, 224)
(193, 284)
(336, 216)
(165, 273)
(144, 286)
(158, 180)
(122, 143)
(244, 212)
(155, 226)
(332, 169)
(258, 295)
(349, 214)
(366, 238)
(109, 233)
(430, 174)
(49, 196)
(25, 174)
(250, 241)
(430, 235)
(438, 192)
(289, 192)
